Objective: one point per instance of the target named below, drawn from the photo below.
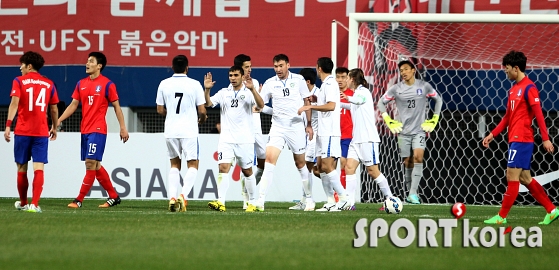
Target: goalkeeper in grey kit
(411, 96)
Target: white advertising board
(139, 169)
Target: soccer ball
(393, 205)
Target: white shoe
(342, 205)
(328, 207)
(298, 206)
(310, 205)
(21, 208)
(34, 209)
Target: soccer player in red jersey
(522, 106)
(346, 124)
(95, 92)
(31, 93)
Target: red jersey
(95, 96)
(35, 93)
(523, 104)
(346, 124)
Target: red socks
(509, 198)
(105, 181)
(540, 195)
(86, 184)
(342, 177)
(22, 186)
(38, 181)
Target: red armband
(8, 123)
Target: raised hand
(208, 81)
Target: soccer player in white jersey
(244, 61)
(309, 75)
(328, 147)
(288, 93)
(236, 139)
(412, 97)
(178, 97)
(364, 146)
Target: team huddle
(305, 118)
(318, 125)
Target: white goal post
(461, 56)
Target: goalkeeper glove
(394, 126)
(429, 125)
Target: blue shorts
(27, 147)
(93, 146)
(520, 155)
(345, 146)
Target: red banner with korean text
(150, 32)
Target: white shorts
(242, 152)
(328, 146)
(310, 155)
(367, 153)
(187, 146)
(259, 146)
(295, 139)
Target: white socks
(189, 180)
(174, 182)
(222, 186)
(266, 181)
(351, 183)
(383, 185)
(307, 188)
(327, 186)
(250, 184)
(334, 177)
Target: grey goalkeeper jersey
(411, 102)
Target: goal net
(461, 56)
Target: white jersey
(314, 114)
(287, 98)
(181, 95)
(363, 116)
(329, 122)
(256, 116)
(236, 115)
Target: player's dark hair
(515, 59)
(32, 58)
(100, 57)
(180, 63)
(280, 57)
(358, 77)
(237, 68)
(406, 62)
(340, 70)
(309, 74)
(240, 59)
(326, 64)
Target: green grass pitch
(144, 235)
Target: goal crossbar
(356, 18)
